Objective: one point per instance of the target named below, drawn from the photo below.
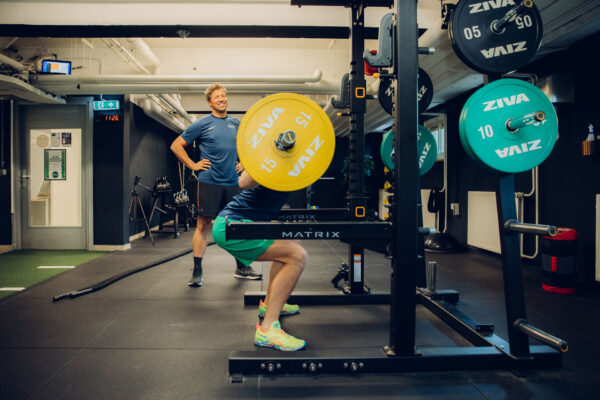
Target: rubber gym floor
(150, 336)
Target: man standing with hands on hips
(218, 172)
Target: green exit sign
(106, 105)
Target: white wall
(482, 221)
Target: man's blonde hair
(215, 86)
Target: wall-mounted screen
(56, 67)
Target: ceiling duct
(173, 102)
(13, 63)
(72, 87)
(315, 77)
(152, 110)
(13, 88)
(140, 47)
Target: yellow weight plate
(271, 119)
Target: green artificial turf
(19, 268)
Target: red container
(559, 263)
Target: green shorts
(245, 250)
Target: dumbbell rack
(488, 351)
(160, 196)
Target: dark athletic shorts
(212, 198)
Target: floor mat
(21, 269)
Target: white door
(53, 185)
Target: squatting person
(257, 203)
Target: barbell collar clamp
(341, 114)
(514, 124)
(285, 141)
(426, 50)
(513, 225)
(519, 9)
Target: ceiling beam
(177, 31)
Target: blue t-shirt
(217, 142)
(258, 204)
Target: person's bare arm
(246, 182)
(178, 148)
(239, 167)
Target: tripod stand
(133, 205)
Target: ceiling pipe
(323, 87)
(9, 42)
(167, 109)
(177, 106)
(188, 79)
(162, 105)
(152, 111)
(13, 63)
(141, 47)
(143, 84)
(118, 48)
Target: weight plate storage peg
(495, 36)
(509, 126)
(285, 142)
(426, 149)
(424, 95)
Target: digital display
(114, 117)
(56, 67)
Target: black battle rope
(101, 285)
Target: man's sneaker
(246, 273)
(277, 338)
(287, 309)
(197, 279)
